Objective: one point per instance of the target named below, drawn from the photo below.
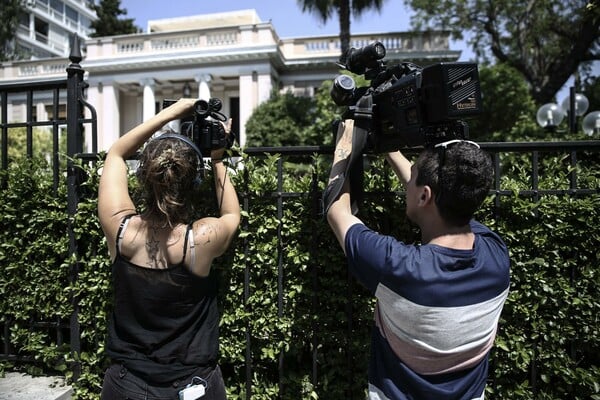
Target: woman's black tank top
(164, 323)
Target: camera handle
(217, 115)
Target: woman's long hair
(168, 174)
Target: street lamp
(591, 123)
(550, 115)
(575, 101)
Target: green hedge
(549, 330)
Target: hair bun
(167, 159)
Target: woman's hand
(217, 154)
(183, 107)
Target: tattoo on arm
(343, 153)
(206, 231)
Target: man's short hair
(461, 183)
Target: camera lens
(201, 107)
(342, 91)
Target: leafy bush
(288, 306)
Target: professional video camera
(407, 105)
(205, 128)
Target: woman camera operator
(163, 331)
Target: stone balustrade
(224, 41)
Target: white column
(247, 102)
(92, 98)
(265, 85)
(149, 101)
(104, 97)
(32, 26)
(203, 88)
(255, 88)
(40, 112)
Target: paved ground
(19, 386)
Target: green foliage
(300, 302)
(327, 111)
(591, 89)
(109, 23)
(10, 14)
(37, 279)
(521, 34)
(550, 320)
(41, 143)
(281, 121)
(33, 250)
(289, 120)
(505, 100)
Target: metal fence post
(74, 146)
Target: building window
(71, 13)
(71, 17)
(41, 31)
(24, 20)
(85, 21)
(57, 6)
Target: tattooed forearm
(342, 153)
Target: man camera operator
(438, 302)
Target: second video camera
(407, 105)
(205, 128)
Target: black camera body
(407, 105)
(204, 128)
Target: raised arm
(340, 215)
(212, 236)
(114, 201)
(401, 165)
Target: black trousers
(121, 384)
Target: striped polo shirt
(436, 314)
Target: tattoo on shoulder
(206, 230)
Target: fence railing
(70, 89)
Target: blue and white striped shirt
(436, 315)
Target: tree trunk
(344, 13)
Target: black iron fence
(66, 114)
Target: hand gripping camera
(205, 128)
(407, 105)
